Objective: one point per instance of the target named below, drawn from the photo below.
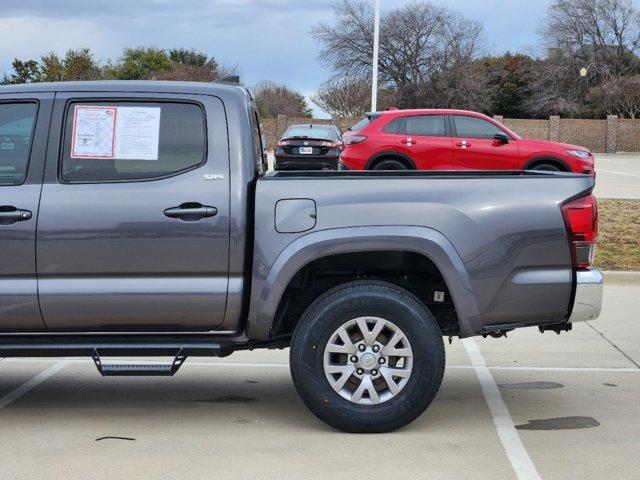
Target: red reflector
(581, 220)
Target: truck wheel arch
(391, 154)
(269, 287)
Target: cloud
(266, 39)
(32, 37)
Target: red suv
(452, 140)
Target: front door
(24, 123)
(134, 223)
(475, 147)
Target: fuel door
(295, 215)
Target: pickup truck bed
(170, 239)
(502, 233)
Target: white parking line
(619, 173)
(31, 384)
(520, 461)
(286, 365)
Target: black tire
(335, 308)
(390, 164)
(549, 167)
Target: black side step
(115, 346)
(139, 370)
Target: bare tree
(275, 99)
(620, 96)
(600, 36)
(351, 96)
(420, 44)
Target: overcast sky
(266, 39)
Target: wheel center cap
(368, 360)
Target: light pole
(583, 78)
(376, 47)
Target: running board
(139, 370)
(116, 346)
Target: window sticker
(115, 133)
(93, 132)
(137, 133)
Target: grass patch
(619, 235)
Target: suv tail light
(353, 139)
(581, 219)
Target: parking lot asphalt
(618, 176)
(537, 406)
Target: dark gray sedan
(309, 147)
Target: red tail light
(283, 143)
(581, 219)
(353, 139)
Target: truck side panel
(507, 231)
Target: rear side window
(364, 122)
(473, 127)
(433, 125)
(127, 141)
(394, 126)
(17, 121)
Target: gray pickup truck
(138, 219)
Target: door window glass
(120, 141)
(473, 127)
(433, 125)
(394, 126)
(17, 121)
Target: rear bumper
(306, 163)
(588, 299)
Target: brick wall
(628, 138)
(591, 134)
(610, 135)
(538, 129)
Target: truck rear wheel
(367, 357)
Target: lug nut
(360, 371)
(374, 372)
(382, 360)
(361, 347)
(354, 359)
(376, 348)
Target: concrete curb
(621, 278)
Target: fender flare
(268, 287)
(390, 153)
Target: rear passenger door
(134, 223)
(426, 140)
(24, 122)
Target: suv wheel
(367, 357)
(390, 164)
(550, 167)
